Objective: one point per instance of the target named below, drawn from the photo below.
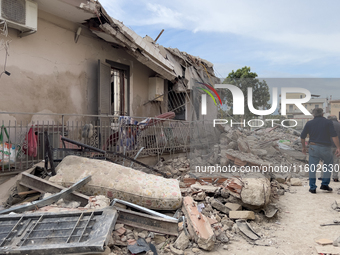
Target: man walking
(321, 131)
(336, 166)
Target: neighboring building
(334, 106)
(71, 57)
(315, 102)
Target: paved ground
(297, 226)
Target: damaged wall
(52, 73)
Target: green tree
(244, 78)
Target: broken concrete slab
(198, 225)
(246, 215)
(219, 206)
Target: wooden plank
(45, 186)
(147, 222)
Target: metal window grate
(66, 232)
(14, 10)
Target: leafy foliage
(244, 78)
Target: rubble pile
(262, 148)
(203, 212)
(174, 168)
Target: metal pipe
(143, 209)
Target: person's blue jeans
(317, 153)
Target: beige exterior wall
(292, 109)
(335, 109)
(51, 73)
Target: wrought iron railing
(23, 142)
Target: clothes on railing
(130, 129)
(30, 146)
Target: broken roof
(169, 63)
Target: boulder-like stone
(256, 191)
(182, 241)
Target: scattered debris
(44, 186)
(49, 200)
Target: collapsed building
(116, 120)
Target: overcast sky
(277, 39)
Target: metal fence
(23, 142)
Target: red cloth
(30, 147)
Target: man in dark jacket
(321, 131)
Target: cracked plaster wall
(51, 73)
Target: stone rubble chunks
(198, 225)
(219, 206)
(295, 182)
(182, 241)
